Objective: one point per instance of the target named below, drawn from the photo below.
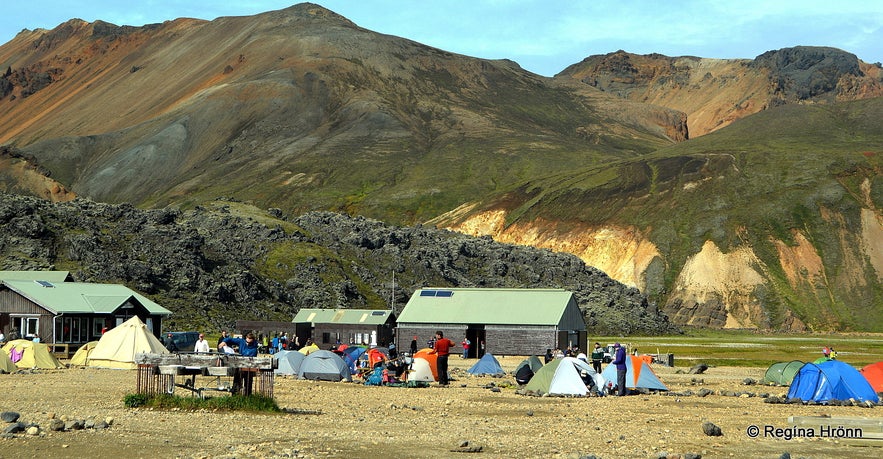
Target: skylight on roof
(437, 293)
(43, 283)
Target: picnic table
(235, 374)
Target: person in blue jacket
(248, 346)
(619, 362)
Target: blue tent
(831, 380)
(487, 365)
(351, 355)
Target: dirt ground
(353, 420)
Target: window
(27, 326)
(98, 324)
(71, 329)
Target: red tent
(874, 374)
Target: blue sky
(543, 36)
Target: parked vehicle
(181, 341)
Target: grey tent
(289, 362)
(324, 365)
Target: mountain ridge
(301, 109)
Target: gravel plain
(468, 418)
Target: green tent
(782, 373)
(533, 362)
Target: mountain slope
(772, 222)
(715, 92)
(299, 108)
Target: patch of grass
(251, 403)
(747, 349)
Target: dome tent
(487, 365)
(831, 380)
(562, 377)
(782, 373)
(288, 362)
(874, 374)
(25, 354)
(638, 375)
(81, 357)
(324, 365)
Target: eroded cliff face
(720, 290)
(715, 287)
(623, 253)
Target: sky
(542, 36)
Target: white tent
(118, 346)
(325, 366)
(420, 370)
(562, 377)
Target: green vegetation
(250, 403)
(748, 349)
(758, 181)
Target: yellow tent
(6, 365)
(81, 358)
(28, 354)
(118, 346)
(306, 350)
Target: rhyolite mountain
(734, 193)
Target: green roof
(343, 316)
(51, 276)
(80, 297)
(487, 306)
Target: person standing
(248, 346)
(442, 348)
(619, 362)
(224, 335)
(201, 345)
(414, 345)
(465, 345)
(597, 357)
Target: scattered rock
(56, 425)
(33, 431)
(749, 381)
(698, 369)
(14, 428)
(711, 429)
(9, 416)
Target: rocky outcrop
(229, 261)
(715, 92)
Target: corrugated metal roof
(486, 306)
(343, 316)
(51, 276)
(81, 297)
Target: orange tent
(431, 357)
(874, 374)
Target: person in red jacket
(442, 348)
